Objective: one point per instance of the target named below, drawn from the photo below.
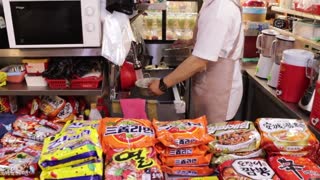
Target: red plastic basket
(58, 83)
(86, 83)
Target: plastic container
(86, 83)
(35, 66)
(254, 10)
(58, 83)
(35, 81)
(15, 77)
(306, 28)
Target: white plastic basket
(36, 81)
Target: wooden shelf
(296, 13)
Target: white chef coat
(218, 27)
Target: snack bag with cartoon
(18, 161)
(88, 170)
(246, 169)
(294, 168)
(187, 151)
(133, 164)
(234, 136)
(188, 171)
(182, 133)
(241, 155)
(291, 135)
(202, 160)
(70, 147)
(120, 133)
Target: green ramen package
(233, 136)
(241, 155)
(133, 164)
(70, 147)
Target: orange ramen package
(234, 136)
(294, 168)
(182, 133)
(291, 135)
(188, 151)
(202, 160)
(120, 133)
(188, 171)
(246, 169)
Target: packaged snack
(4, 104)
(182, 133)
(70, 147)
(65, 115)
(140, 163)
(202, 160)
(9, 140)
(34, 106)
(246, 169)
(120, 133)
(291, 135)
(19, 178)
(241, 155)
(51, 105)
(80, 124)
(233, 136)
(188, 171)
(6, 121)
(289, 167)
(192, 151)
(90, 170)
(18, 161)
(27, 122)
(74, 103)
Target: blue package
(6, 121)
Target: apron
(212, 88)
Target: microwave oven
(52, 23)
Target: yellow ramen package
(234, 136)
(70, 147)
(92, 171)
(74, 124)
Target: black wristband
(162, 86)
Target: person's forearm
(185, 70)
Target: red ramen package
(121, 133)
(9, 140)
(140, 163)
(51, 105)
(291, 135)
(241, 155)
(294, 168)
(246, 169)
(188, 171)
(202, 160)
(32, 123)
(182, 133)
(18, 161)
(233, 136)
(188, 151)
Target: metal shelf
(296, 13)
(65, 52)
(23, 90)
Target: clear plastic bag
(117, 37)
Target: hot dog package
(294, 168)
(120, 133)
(182, 133)
(188, 171)
(291, 135)
(255, 169)
(241, 155)
(188, 151)
(70, 147)
(140, 163)
(202, 160)
(233, 136)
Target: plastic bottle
(94, 112)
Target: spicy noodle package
(286, 135)
(182, 133)
(121, 133)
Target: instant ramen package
(202, 160)
(182, 133)
(291, 135)
(241, 155)
(70, 147)
(74, 124)
(133, 164)
(188, 171)
(121, 133)
(294, 168)
(233, 136)
(188, 151)
(89, 170)
(246, 169)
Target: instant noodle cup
(182, 133)
(233, 136)
(241, 155)
(140, 163)
(121, 133)
(289, 167)
(71, 147)
(255, 169)
(202, 160)
(89, 170)
(188, 151)
(286, 135)
(188, 171)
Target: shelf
(65, 52)
(23, 90)
(296, 13)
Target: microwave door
(47, 22)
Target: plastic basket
(58, 83)
(86, 83)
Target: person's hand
(180, 43)
(154, 88)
